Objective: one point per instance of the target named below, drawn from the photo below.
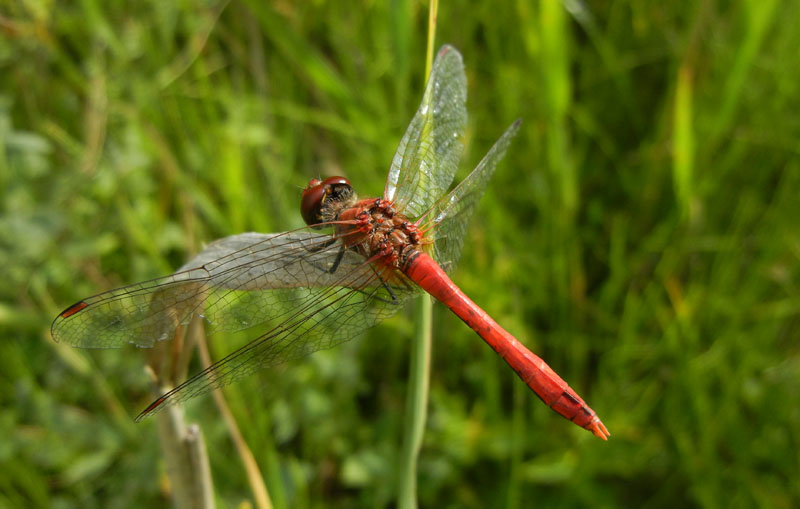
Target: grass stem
(419, 370)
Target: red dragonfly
(311, 290)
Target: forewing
(235, 283)
(450, 215)
(427, 158)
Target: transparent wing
(427, 158)
(310, 319)
(235, 283)
(452, 212)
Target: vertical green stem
(416, 404)
(419, 370)
(433, 11)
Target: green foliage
(641, 236)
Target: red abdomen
(554, 391)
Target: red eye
(314, 196)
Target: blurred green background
(641, 235)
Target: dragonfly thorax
(374, 228)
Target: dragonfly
(354, 264)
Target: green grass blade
(420, 366)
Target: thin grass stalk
(254, 477)
(420, 366)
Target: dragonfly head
(319, 195)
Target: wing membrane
(427, 158)
(235, 283)
(452, 212)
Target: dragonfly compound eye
(318, 194)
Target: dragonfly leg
(337, 261)
(385, 284)
(339, 256)
(374, 293)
